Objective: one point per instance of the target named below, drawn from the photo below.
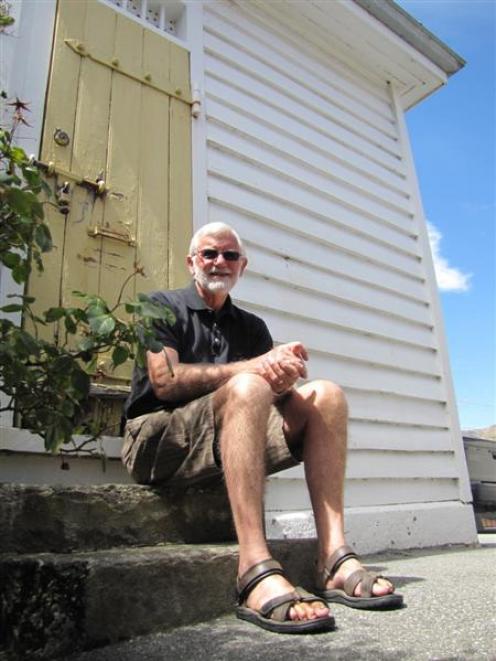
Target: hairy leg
(242, 409)
(242, 406)
(317, 415)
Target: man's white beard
(212, 284)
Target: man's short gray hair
(214, 229)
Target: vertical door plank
(180, 214)
(64, 77)
(180, 201)
(179, 68)
(82, 255)
(156, 58)
(121, 206)
(128, 46)
(45, 287)
(153, 229)
(121, 203)
(60, 109)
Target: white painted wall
(310, 162)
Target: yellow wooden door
(118, 110)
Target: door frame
(26, 66)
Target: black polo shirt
(199, 335)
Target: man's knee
(246, 388)
(327, 395)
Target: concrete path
(450, 615)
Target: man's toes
(321, 611)
(308, 611)
(382, 587)
(297, 613)
(322, 608)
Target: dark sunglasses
(211, 254)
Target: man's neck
(214, 300)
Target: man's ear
(244, 263)
(189, 262)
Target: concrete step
(61, 519)
(55, 604)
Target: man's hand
(283, 366)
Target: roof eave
(414, 34)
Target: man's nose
(220, 257)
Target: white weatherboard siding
(309, 162)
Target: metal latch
(63, 197)
(110, 233)
(98, 185)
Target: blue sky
(453, 141)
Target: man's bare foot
(276, 586)
(380, 588)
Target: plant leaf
(103, 324)
(43, 237)
(119, 355)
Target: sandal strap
(273, 606)
(306, 596)
(254, 575)
(367, 580)
(334, 562)
(340, 555)
(278, 608)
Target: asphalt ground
(449, 614)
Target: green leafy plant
(47, 383)
(6, 20)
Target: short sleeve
(167, 334)
(262, 339)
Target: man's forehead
(224, 237)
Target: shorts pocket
(141, 437)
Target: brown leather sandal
(274, 614)
(361, 576)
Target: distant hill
(488, 433)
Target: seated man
(221, 400)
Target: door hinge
(196, 105)
(114, 64)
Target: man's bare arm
(281, 368)
(188, 381)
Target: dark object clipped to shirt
(199, 335)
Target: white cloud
(448, 278)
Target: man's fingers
(290, 372)
(295, 349)
(299, 350)
(294, 368)
(273, 368)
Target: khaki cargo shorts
(180, 447)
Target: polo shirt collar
(195, 302)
